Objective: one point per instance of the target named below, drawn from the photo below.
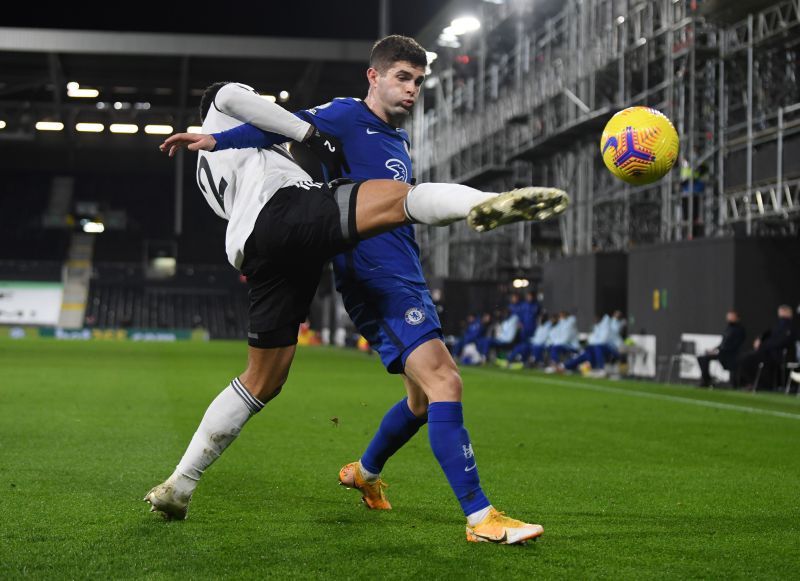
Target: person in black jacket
(772, 348)
(726, 352)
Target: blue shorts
(394, 315)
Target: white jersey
(237, 183)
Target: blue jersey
(473, 332)
(528, 312)
(374, 150)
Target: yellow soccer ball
(639, 145)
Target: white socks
(366, 474)
(478, 516)
(220, 425)
(442, 204)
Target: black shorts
(295, 234)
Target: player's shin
(451, 446)
(219, 427)
(397, 427)
(439, 204)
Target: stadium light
(74, 90)
(89, 127)
(463, 25)
(164, 264)
(448, 40)
(49, 126)
(84, 93)
(92, 227)
(458, 27)
(283, 96)
(194, 129)
(2, 124)
(521, 283)
(158, 129)
(123, 128)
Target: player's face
(397, 89)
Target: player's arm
(275, 123)
(332, 118)
(242, 137)
(247, 135)
(248, 107)
(327, 148)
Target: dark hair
(394, 48)
(208, 97)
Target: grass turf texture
(626, 486)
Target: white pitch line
(645, 394)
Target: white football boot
(531, 203)
(166, 500)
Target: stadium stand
(212, 298)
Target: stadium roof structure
(150, 65)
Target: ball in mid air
(639, 145)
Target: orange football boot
(503, 530)
(373, 494)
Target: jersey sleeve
(335, 118)
(244, 104)
(245, 136)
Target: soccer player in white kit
(282, 228)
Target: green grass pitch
(630, 480)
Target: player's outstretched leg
(385, 204)
(531, 203)
(224, 419)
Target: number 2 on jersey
(219, 193)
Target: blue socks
(452, 448)
(397, 428)
(449, 442)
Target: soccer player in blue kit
(385, 294)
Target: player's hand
(192, 142)
(330, 152)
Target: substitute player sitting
(282, 228)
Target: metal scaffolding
(527, 102)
